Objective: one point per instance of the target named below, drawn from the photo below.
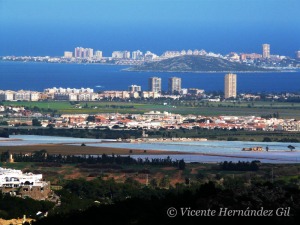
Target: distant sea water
(38, 76)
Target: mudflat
(84, 150)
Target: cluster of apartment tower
(88, 53)
(134, 91)
(174, 85)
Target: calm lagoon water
(211, 151)
(210, 147)
(217, 151)
(35, 140)
(38, 76)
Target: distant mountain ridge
(193, 63)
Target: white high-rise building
(298, 54)
(126, 55)
(266, 51)
(121, 55)
(137, 55)
(83, 52)
(117, 55)
(230, 85)
(89, 53)
(78, 53)
(154, 84)
(174, 85)
(98, 54)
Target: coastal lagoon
(38, 76)
(194, 151)
(19, 140)
(217, 151)
(210, 147)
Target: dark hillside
(193, 63)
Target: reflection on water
(212, 151)
(204, 146)
(218, 151)
(18, 140)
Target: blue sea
(38, 76)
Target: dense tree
(139, 209)
(36, 123)
(181, 164)
(94, 162)
(239, 166)
(90, 118)
(291, 147)
(267, 139)
(14, 207)
(4, 133)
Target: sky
(50, 27)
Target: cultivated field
(260, 108)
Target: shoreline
(9, 139)
(225, 71)
(76, 148)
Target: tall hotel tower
(266, 51)
(298, 55)
(174, 85)
(230, 85)
(83, 52)
(154, 84)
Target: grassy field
(285, 110)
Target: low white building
(134, 95)
(65, 97)
(150, 94)
(34, 96)
(10, 178)
(7, 95)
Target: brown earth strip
(83, 150)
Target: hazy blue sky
(41, 27)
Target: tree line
(4, 133)
(43, 156)
(240, 166)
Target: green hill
(193, 63)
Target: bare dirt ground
(14, 221)
(82, 150)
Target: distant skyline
(35, 27)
